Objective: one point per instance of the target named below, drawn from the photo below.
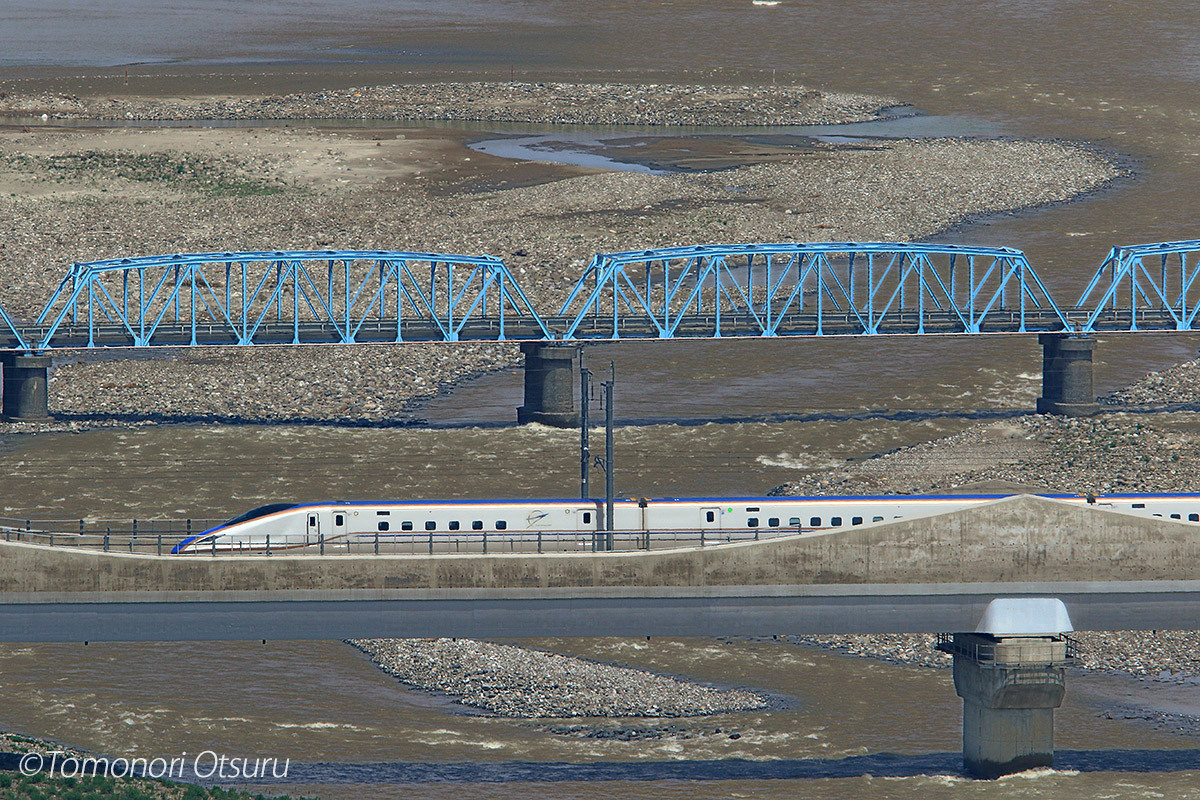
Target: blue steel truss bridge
(701, 292)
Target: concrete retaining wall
(1020, 539)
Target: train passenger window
(339, 519)
(835, 521)
(773, 522)
(709, 516)
(501, 525)
(383, 526)
(1193, 517)
(794, 521)
(1139, 505)
(856, 520)
(477, 525)
(454, 525)
(815, 522)
(431, 525)
(752, 508)
(1158, 515)
(876, 519)
(1175, 516)
(752, 522)
(406, 525)
(383, 513)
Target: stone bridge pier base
(549, 386)
(1010, 687)
(1067, 376)
(25, 389)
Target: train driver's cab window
(454, 525)
(856, 520)
(773, 522)
(815, 522)
(431, 525)
(406, 525)
(383, 526)
(752, 522)
(477, 525)
(501, 525)
(710, 516)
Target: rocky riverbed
(80, 195)
(541, 103)
(520, 682)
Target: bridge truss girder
(338, 296)
(815, 289)
(1163, 294)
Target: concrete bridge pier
(25, 392)
(549, 385)
(1067, 376)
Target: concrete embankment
(1020, 539)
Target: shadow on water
(887, 765)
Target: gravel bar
(542, 103)
(519, 682)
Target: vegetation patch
(15, 786)
(221, 176)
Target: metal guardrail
(984, 653)
(159, 538)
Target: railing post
(485, 541)
(268, 544)
(431, 543)
(321, 541)
(106, 540)
(160, 544)
(376, 543)
(539, 541)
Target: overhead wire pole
(608, 456)
(585, 453)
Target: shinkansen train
(350, 524)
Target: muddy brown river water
(1120, 75)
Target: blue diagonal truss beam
(1144, 287)
(285, 297)
(810, 289)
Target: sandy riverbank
(83, 194)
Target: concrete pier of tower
(1011, 675)
(24, 382)
(1067, 375)
(549, 385)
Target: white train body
(286, 525)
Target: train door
(338, 529)
(710, 518)
(313, 528)
(585, 519)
